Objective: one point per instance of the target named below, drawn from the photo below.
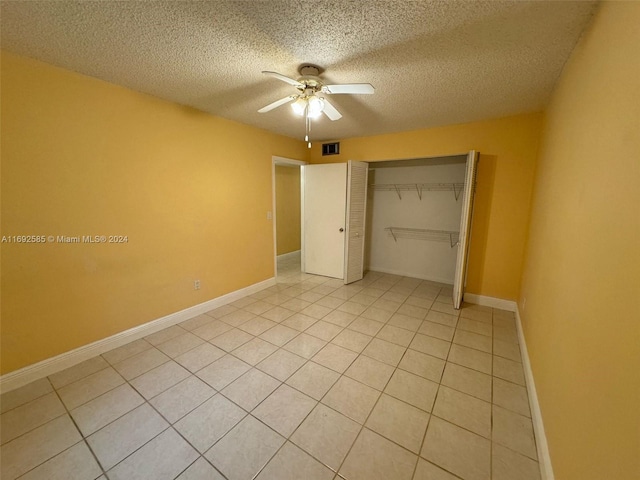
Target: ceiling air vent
(331, 148)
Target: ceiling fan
(310, 101)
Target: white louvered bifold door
(465, 229)
(357, 173)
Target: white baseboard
(290, 255)
(494, 302)
(28, 374)
(544, 458)
(390, 271)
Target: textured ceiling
(431, 62)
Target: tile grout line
(145, 401)
(327, 406)
(249, 413)
(37, 426)
(66, 412)
(84, 439)
(170, 425)
(395, 368)
(363, 425)
(435, 399)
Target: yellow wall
(581, 278)
(508, 148)
(287, 209)
(84, 157)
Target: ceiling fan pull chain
(308, 127)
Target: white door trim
(464, 237)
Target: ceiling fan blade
(276, 104)
(330, 111)
(359, 88)
(279, 76)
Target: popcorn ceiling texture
(431, 62)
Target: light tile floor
(308, 379)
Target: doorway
(286, 198)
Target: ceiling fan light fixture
(299, 106)
(316, 106)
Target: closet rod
(456, 188)
(424, 234)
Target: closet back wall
(430, 259)
(84, 157)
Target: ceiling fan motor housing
(310, 79)
(307, 69)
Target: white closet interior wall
(430, 257)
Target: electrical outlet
(196, 285)
(269, 215)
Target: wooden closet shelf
(424, 234)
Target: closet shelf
(456, 188)
(424, 234)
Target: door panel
(324, 204)
(465, 229)
(357, 174)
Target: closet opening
(403, 217)
(416, 210)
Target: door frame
(276, 160)
(464, 238)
